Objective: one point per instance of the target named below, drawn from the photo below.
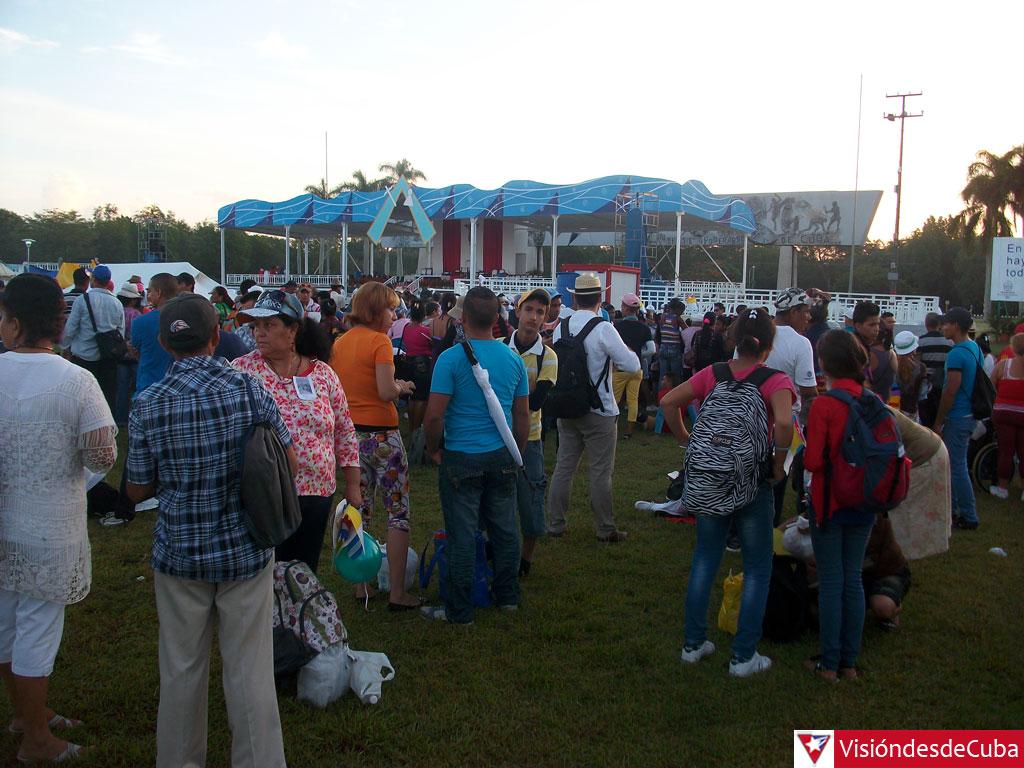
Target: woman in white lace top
(54, 426)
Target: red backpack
(872, 472)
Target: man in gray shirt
(80, 332)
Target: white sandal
(71, 752)
(57, 723)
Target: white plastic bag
(412, 566)
(326, 677)
(369, 670)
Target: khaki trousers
(242, 611)
(597, 435)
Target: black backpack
(786, 613)
(574, 394)
(983, 394)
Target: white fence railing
(49, 266)
(699, 296)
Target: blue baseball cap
(101, 273)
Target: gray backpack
(270, 504)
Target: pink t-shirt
(704, 381)
(416, 340)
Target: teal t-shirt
(468, 427)
(963, 357)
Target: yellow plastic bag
(729, 613)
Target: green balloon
(362, 569)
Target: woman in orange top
(363, 358)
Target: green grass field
(588, 671)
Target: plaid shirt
(185, 433)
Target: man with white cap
(596, 431)
(793, 355)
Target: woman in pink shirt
(754, 332)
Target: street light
(28, 241)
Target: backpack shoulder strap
(92, 317)
(760, 375)
(722, 372)
(585, 331)
(841, 395)
(564, 327)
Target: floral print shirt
(322, 430)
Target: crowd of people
(484, 380)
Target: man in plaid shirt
(185, 434)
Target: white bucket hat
(905, 343)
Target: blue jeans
(478, 491)
(839, 554)
(754, 525)
(670, 360)
(956, 433)
(530, 488)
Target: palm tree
(360, 183)
(320, 189)
(403, 169)
(993, 186)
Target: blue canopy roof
(589, 205)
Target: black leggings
(307, 541)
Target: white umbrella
(493, 406)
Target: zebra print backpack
(730, 447)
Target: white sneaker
(692, 656)
(756, 663)
(147, 505)
(999, 493)
(111, 520)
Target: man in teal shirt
(955, 421)
(477, 477)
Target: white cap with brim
(905, 343)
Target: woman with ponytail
(754, 333)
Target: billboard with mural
(800, 218)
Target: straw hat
(587, 284)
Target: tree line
(947, 256)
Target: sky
(194, 105)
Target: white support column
(472, 252)
(305, 255)
(344, 256)
(744, 281)
(370, 267)
(554, 248)
(287, 251)
(223, 260)
(679, 244)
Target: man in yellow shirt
(542, 369)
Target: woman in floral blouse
(289, 363)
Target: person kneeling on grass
(477, 478)
(542, 371)
(754, 335)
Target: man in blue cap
(96, 312)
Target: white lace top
(54, 424)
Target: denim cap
(187, 321)
(272, 303)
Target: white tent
(5, 272)
(120, 273)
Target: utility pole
(902, 117)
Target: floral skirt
(384, 469)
